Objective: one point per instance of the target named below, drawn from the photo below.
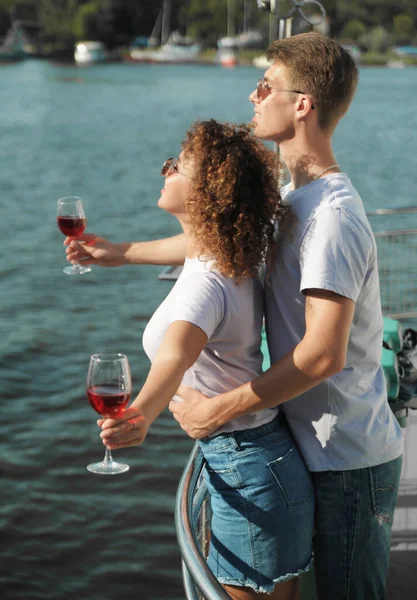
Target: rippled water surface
(102, 133)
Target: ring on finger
(132, 420)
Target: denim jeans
(353, 521)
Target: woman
(206, 334)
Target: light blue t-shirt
(344, 422)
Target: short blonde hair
(321, 68)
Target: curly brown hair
(234, 198)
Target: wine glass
(72, 221)
(109, 387)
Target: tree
(207, 21)
(85, 22)
(377, 39)
(353, 31)
(403, 29)
(58, 18)
(5, 22)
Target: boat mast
(246, 16)
(156, 31)
(230, 18)
(166, 21)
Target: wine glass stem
(107, 457)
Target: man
(323, 321)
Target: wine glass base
(76, 270)
(108, 468)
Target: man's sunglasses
(263, 89)
(171, 164)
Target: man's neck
(307, 161)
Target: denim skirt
(262, 506)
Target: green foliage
(377, 39)
(85, 20)
(403, 29)
(353, 30)
(411, 61)
(6, 5)
(372, 23)
(58, 20)
(207, 21)
(374, 58)
(371, 12)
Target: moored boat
(90, 52)
(178, 49)
(10, 55)
(166, 46)
(227, 57)
(261, 62)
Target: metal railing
(395, 232)
(192, 525)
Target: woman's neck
(193, 249)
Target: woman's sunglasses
(171, 164)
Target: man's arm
(91, 249)
(320, 354)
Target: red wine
(72, 226)
(107, 400)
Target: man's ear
(304, 105)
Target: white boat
(90, 52)
(166, 46)
(173, 52)
(395, 64)
(261, 62)
(178, 48)
(11, 49)
(10, 55)
(227, 57)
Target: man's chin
(260, 134)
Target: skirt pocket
(293, 477)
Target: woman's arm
(94, 250)
(181, 346)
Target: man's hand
(195, 413)
(129, 430)
(91, 249)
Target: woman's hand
(90, 249)
(129, 430)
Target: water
(102, 133)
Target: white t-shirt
(231, 315)
(344, 422)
